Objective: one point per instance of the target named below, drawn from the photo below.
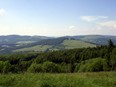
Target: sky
(58, 17)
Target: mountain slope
(70, 44)
(16, 43)
(13, 39)
(59, 45)
(96, 39)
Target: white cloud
(92, 18)
(71, 27)
(109, 24)
(56, 31)
(2, 12)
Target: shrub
(5, 67)
(97, 64)
(65, 68)
(49, 67)
(1, 66)
(35, 68)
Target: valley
(17, 43)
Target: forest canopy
(100, 58)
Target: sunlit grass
(34, 48)
(71, 44)
(97, 79)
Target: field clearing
(34, 48)
(94, 79)
(70, 44)
(67, 44)
(25, 42)
(20, 43)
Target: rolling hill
(61, 44)
(13, 39)
(17, 43)
(71, 44)
(96, 39)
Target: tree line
(100, 58)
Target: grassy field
(100, 79)
(70, 44)
(34, 48)
(67, 44)
(20, 43)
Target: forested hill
(44, 45)
(96, 39)
(13, 39)
(100, 58)
(17, 43)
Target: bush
(5, 67)
(65, 68)
(50, 67)
(1, 66)
(35, 68)
(79, 66)
(97, 64)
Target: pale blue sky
(57, 17)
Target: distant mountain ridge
(96, 39)
(16, 43)
(12, 39)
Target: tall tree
(110, 43)
(110, 46)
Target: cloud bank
(71, 27)
(2, 12)
(92, 18)
(109, 24)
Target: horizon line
(58, 36)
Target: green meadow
(67, 44)
(93, 79)
(34, 48)
(71, 44)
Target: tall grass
(101, 79)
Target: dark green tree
(110, 43)
(113, 59)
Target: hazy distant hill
(57, 44)
(12, 39)
(96, 39)
(16, 43)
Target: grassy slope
(70, 44)
(34, 48)
(20, 43)
(100, 79)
